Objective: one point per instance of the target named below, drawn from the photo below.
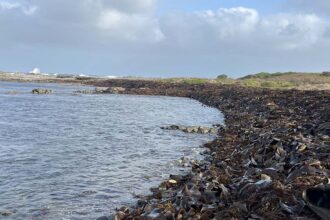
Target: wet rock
(42, 91)
(324, 129)
(318, 199)
(120, 215)
(141, 203)
(115, 90)
(96, 90)
(192, 129)
(6, 213)
(101, 89)
(156, 214)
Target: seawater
(66, 156)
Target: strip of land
(288, 80)
(274, 146)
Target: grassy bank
(288, 80)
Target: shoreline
(274, 146)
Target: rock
(275, 145)
(265, 177)
(324, 128)
(86, 91)
(42, 91)
(213, 130)
(115, 90)
(156, 214)
(120, 216)
(101, 89)
(6, 213)
(141, 203)
(96, 90)
(173, 182)
(192, 129)
(203, 130)
(318, 199)
(169, 216)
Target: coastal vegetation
(286, 80)
(278, 80)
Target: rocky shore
(275, 146)
(264, 164)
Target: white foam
(111, 77)
(35, 71)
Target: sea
(79, 156)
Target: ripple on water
(79, 157)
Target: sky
(165, 38)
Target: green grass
(185, 80)
(195, 81)
(251, 82)
(276, 84)
(286, 80)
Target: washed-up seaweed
(274, 148)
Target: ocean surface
(66, 156)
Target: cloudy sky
(165, 38)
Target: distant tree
(222, 76)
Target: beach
(274, 145)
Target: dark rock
(192, 129)
(42, 91)
(324, 129)
(6, 213)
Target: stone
(6, 213)
(42, 91)
(192, 129)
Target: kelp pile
(274, 147)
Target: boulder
(42, 91)
(115, 90)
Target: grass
(185, 80)
(249, 82)
(276, 84)
(286, 80)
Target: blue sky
(165, 38)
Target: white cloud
(25, 9)
(244, 27)
(222, 40)
(294, 30)
(130, 26)
(230, 22)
